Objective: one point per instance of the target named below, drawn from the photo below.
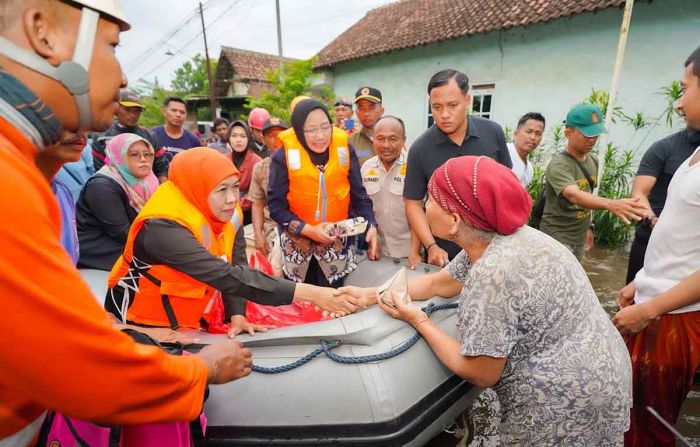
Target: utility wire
(193, 39)
(140, 59)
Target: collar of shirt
(693, 136)
(517, 154)
(472, 131)
(375, 162)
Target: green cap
(587, 118)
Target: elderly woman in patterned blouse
(529, 325)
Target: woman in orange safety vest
(178, 255)
(314, 182)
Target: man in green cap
(570, 179)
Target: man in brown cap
(368, 107)
(128, 114)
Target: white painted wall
(546, 67)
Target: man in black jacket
(128, 115)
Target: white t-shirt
(673, 252)
(525, 172)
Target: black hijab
(299, 115)
(238, 157)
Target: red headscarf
(196, 172)
(482, 191)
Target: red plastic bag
(216, 317)
(286, 315)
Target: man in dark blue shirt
(454, 134)
(656, 169)
(172, 135)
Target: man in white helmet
(58, 70)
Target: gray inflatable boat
(403, 400)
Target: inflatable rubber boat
(360, 384)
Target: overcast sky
(307, 26)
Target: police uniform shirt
(385, 189)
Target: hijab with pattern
(138, 190)
(483, 192)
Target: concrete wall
(546, 67)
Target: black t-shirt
(432, 149)
(663, 158)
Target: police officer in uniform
(383, 176)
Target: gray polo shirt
(432, 149)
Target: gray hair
(482, 236)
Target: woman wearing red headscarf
(529, 322)
(178, 255)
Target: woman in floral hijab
(112, 198)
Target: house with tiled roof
(243, 72)
(240, 74)
(520, 55)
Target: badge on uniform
(294, 159)
(343, 156)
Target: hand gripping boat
(406, 399)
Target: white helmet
(111, 8)
(73, 74)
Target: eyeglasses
(138, 155)
(323, 129)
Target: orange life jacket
(165, 296)
(306, 198)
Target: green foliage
(672, 93)
(152, 97)
(615, 183)
(191, 78)
(638, 121)
(601, 98)
(296, 82)
(509, 134)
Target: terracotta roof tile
(250, 65)
(410, 23)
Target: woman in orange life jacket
(240, 141)
(179, 250)
(313, 182)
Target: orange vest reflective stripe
(305, 197)
(189, 298)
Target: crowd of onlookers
(373, 176)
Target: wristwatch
(591, 227)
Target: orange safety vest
(306, 197)
(165, 296)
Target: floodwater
(607, 269)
